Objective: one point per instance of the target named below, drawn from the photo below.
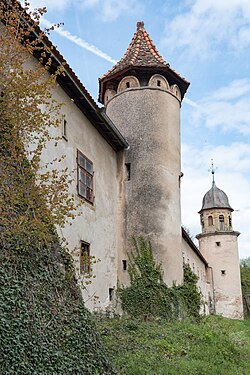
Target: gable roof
(72, 85)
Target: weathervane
(212, 169)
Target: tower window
(202, 220)
(210, 221)
(124, 265)
(230, 221)
(64, 129)
(128, 171)
(158, 82)
(221, 220)
(85, 257)
(128, 85)
(223, 272)
(217, 243)
(85, 177)
(111, 294)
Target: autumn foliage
(44, 326)
(31, 198)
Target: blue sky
(208, 43)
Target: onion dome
(142, 55)
(215, 198)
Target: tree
(44, 326)
(27, 114)
(245, 284)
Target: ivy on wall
(148, 296)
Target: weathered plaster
(150, 121)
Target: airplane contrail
(78, 41)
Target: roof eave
(182, 82)
(187, 238)
(73, 87)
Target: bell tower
(142, 95)
(218, 243)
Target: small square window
(223, 272)
(217, 243)
(85, 266)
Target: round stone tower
(218, 244)
(142, 95)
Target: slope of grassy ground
(214, 346)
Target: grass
(214, 346)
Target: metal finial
(140, 25)
(212, 169)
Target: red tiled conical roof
(141, 53)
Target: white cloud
(78, 41)
(110, 10)
(106, 10)
(232, 176)
(226, 108)
(204, 25)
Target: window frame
(85, 261)
(90, 198)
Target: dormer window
(158, 83)
(128, 85)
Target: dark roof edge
(215, 207)
(190, 242)
(104, 125)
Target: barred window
(85, 177)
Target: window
(111, 294)
(221, 220)
(64, 129)
(158, 83)
(124, 265)
(210, 221)
(223, 272)
(202, 220)
(85, 177)
(128, 171)
(217, 243)
(230, 221)
(85, 258)
(128, 85)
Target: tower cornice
(215, 233)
